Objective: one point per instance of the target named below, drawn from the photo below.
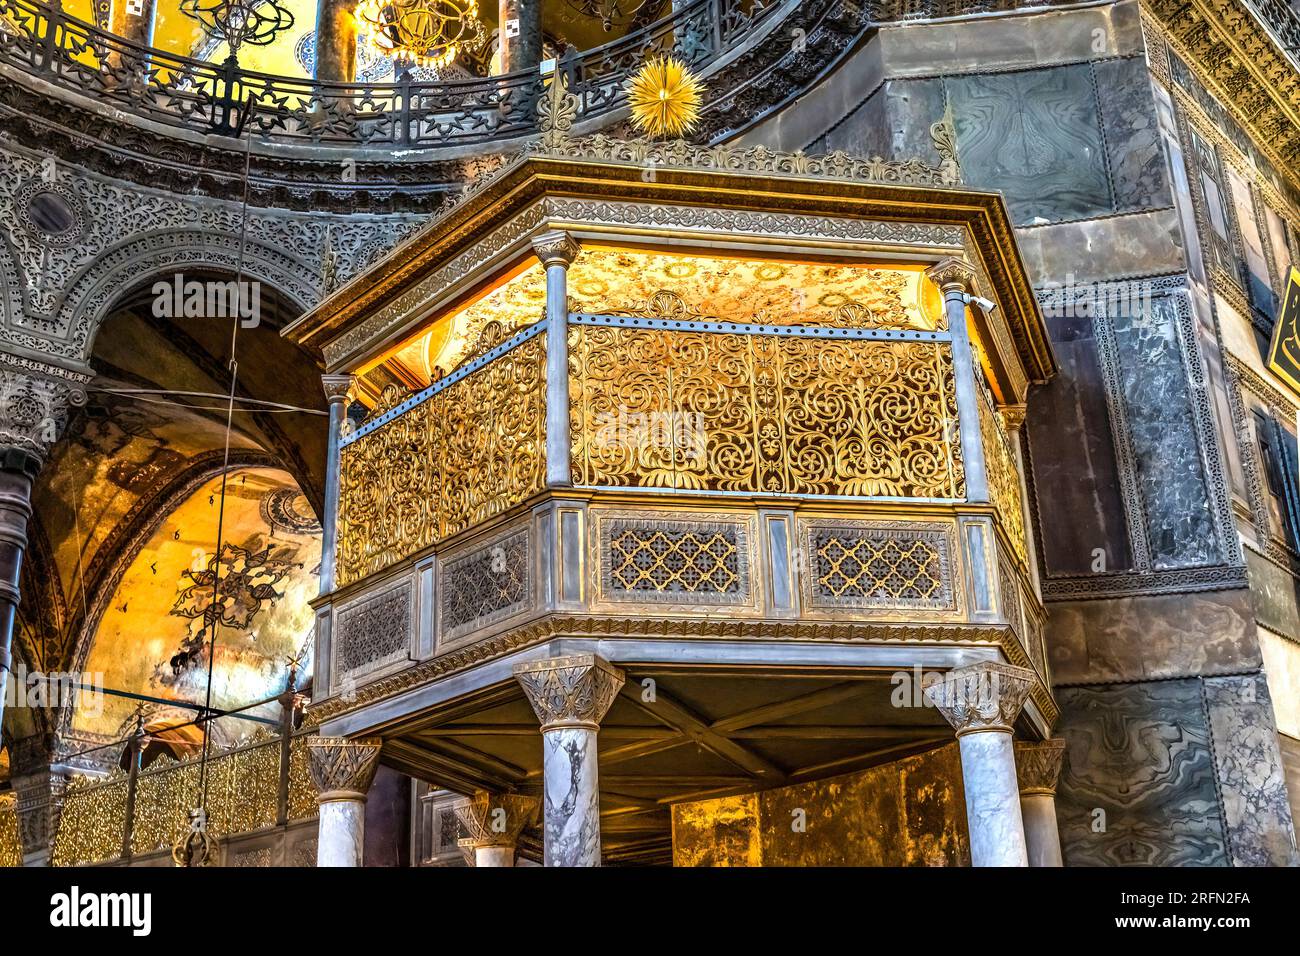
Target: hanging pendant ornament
(665, 98)
(255, 22)
(610, 13)
(195, 847)
(427, 33)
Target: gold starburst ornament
(665, 97)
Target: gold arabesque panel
(92, 821)
(763, 413)
(469, 452)
(11, 850)
(1003, 475)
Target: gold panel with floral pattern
(468, 452)
(11, 850)
(763, 413)
(1003, 475)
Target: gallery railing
(250, 788)
(711, 408)
(43, 40)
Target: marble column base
(571, 819)
(988, 769)
(342, 826)
(1042, 839)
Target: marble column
(556, 251)
(956, 280)
(523, 50)
(336, 41)
(337, 389)
(342, 770)
(1038, 767)
(34, 402)
(133, 20)
(570, 696)
(494, 822)
(982, 702)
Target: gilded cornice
(1244, 68)
(555, 626)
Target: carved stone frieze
(342, 768)
(1038, 765)
(981, 697)
(571, 691)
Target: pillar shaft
(523, 50)
(342, 832)
(336, 41)
(955, 278)
(570, 696)
(17, 469)
(336, 391)
(1038, 767)
(557, 250)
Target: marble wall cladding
(1276, 596)
(1158, 406)
(1151, 637)
(1290, 749)
(1036, 136)
(1072, 457)
(907, 813)
(1133, 244)
(1248, 764)
(1138, 787)
(1282, 670)
(894, 121)
(1132, 133)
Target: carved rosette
(982, 697)
(556, 248)
(342, 768)
(952, 274)
(570, 691)
(496, 819)
(1038, 765)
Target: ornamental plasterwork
(34, 402)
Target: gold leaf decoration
(665, 97)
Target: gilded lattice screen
(11, 851)
(1003, 476)
(653, 407)
(464, 454)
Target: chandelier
(608, 12)
(428, 33)
(256, 22)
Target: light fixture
(256, 22)
(428, 33)
(609, 12)
(664, 96)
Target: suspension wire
(225, 466)
(141, 394)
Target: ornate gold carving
(471, 451)
(763, 413)
(1000, 464)
(667, 560)
(981, 697)
(1038, 765)
(343, 768)
(573, 691)
(92, 822)
(556, 248)
(860, 565)
(11, 850)
(496, 819)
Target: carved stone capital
(1013, 416)
(986, 696)
(952, 274)
(337, 387)
(342, 768)
(39, 807)
(556, 248)
(34, 401)
(570, 691)
(1038, 765)
(495, 819)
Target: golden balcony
(741, 425)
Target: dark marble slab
(1157, 402)
(1139, 754)
(1128, 119)
(1072, 456)
(1035, 135)
(1276, 595)
(893, 122)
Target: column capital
(495, 819)
(1013, 416)
(572, 691)
(556, 248)
(34, 401)
(342, 768)
(1038, 765)
(952, 274)
(337, 386)
(982, 697)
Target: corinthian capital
(985, 696)
(1038, 765)
(34, 402)
(496, 819)
(570, 691)
(342, 768)
(952, 273)
(337, 387)
(556, 248)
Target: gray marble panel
(894, 122)
(1131, 244)
(1138, 785)
(1157, 403)
(1276, 595)
(1132, 130)
(1035, 135)
(1252, 781)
